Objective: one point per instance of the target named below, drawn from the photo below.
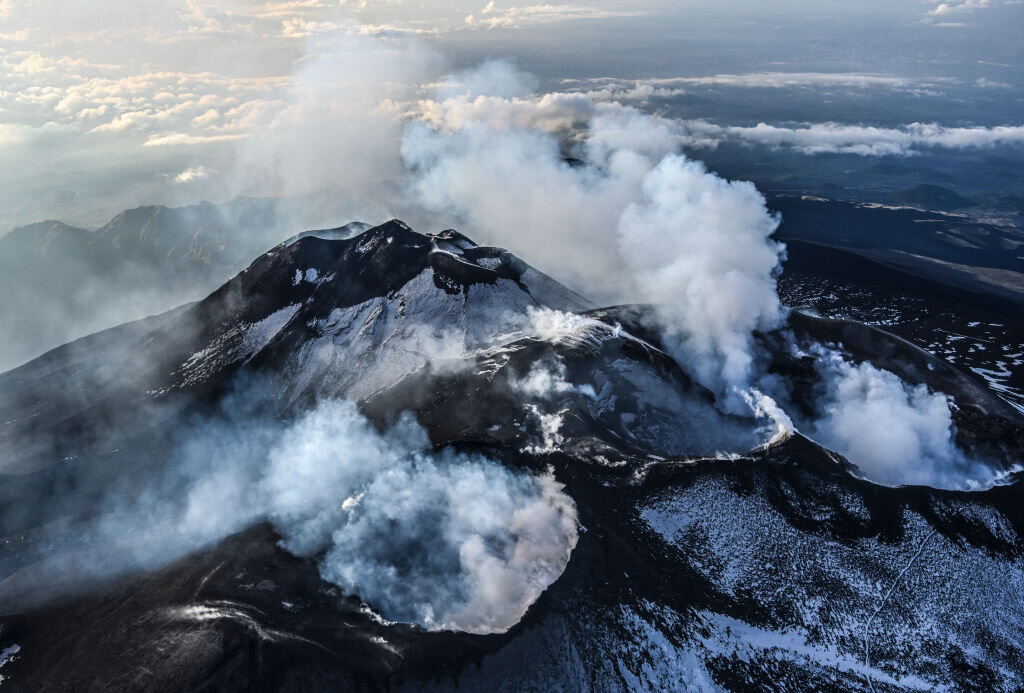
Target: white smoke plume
(767, 408)
(548, 379)
(699, 247)
(444, 540)
(894, 432)
(630, 220)
(633, 220)
(332, 140)
(453, 543)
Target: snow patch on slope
(259, 334)
(819, 593)
(372, 345)
(237, 343)
(652, 661)
(8, 655)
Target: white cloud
(986, 83)
(395, 30)
(124, 121)
(492, 17)
(9, 8)
(201, 18)
(503, 105)
(297, 27)
(12, 134)
(35, 63)
(18, 36)
(949, 11)
(961, 6)
(631, 91)
(290, 8)
(818, 138)
(550, 112)
(191, 174)
(208, 117)
(614, 88)
(164, 107)
(184, 138)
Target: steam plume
(634, 221)
(443, 540)
(894, 432)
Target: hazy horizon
(107, 107)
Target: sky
(105, 106)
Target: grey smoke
(444, 540)
(453, 542)
(338, 128)
(547, 378)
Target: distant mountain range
(933, 197)
(60, 282)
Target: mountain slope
(957, 253)
(767, 567)
(932, 197)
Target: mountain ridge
(698, 564)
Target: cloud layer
(822, 138)
(221, 72)
(493, 17)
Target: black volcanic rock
(932, 197)
(767, 568)
(955, 252)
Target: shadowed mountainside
(770, 568)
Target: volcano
(712, 551)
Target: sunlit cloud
(962, 6)
(836, 138)
(184, 138)
(610, 87)
(191, 174)
(493, 17)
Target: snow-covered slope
(704, 561)
(329, 314)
